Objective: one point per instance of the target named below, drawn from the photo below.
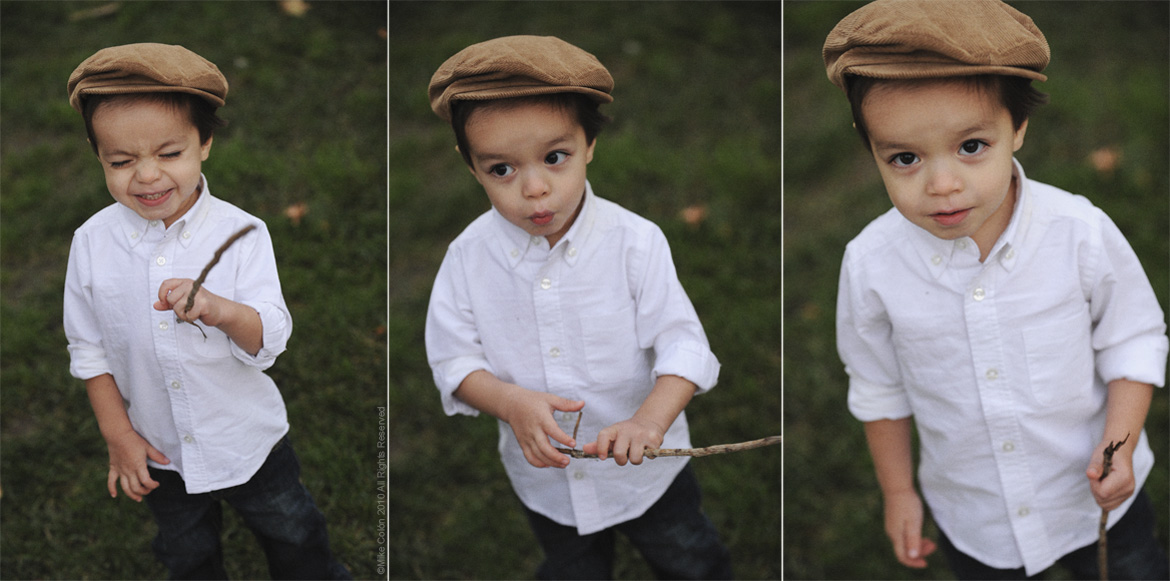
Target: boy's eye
(172, 155)
(118, 164)
(972, 146)
(903, 159)
(556, 157)
(501, 170)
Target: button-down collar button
(1010, 254)
(134, 235)
(979, 294)
(187, 235)
(572, 251)
(515, 252)
(936, 260)
(545, 283)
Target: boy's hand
(172, 295)
(530, 414)
(1119, 484)
(128, 453)
(626, 440)
(904, 527)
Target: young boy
(180, 395)
(557, 302)
(1010, 319)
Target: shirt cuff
(690, 360)
(87, 362)
(869, 402)
(276, 329)
(1142, 359)
(450, 374)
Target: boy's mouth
(542, 218)
(950, 218)
(154, 198)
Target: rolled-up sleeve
(87, 355)
(258, 286)
(452, 339)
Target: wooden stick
(1102, 537)
(206, 269)
(708, 451)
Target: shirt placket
(166, 349)
(997, 399)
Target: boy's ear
(1018, 140)
(205, 149)
(589, 151)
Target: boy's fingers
(157, 456)
(112, 483)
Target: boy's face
(530, 158)
(944, 150)
(151, 156)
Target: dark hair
(199, 111)
(1016, 94)
(584, 109)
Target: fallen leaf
(296, 211)
(294, 7)
(694, 215)
(1105, 159)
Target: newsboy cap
(517, 66)
(922, 39)
(146, 68)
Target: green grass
(1108, 84)
(696, 121)
(307, 113)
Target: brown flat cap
(921, 39)
(146, 68)
(517, 66)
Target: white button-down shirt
(1003, 365)
(204, 403)
(596, 318)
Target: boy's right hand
(530, 414)
(128, 453)
(904, 518)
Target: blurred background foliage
(1104, 135)
(305, 151)
(694, 147)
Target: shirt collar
(135, 227)
(937, 253)
(514, 242)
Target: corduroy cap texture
(922, 39)
(146, 68)
(517, 66)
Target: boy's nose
(147, 172)
(943, 180)
(535, 185)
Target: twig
(1102, 538)
(206, 269)
(695, 452)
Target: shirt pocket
(216, 345)
(1060, 359)
(611, 348)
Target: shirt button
(1010, 254)
(176, 385)
(962, 244)
(163, 325)
(186, 234)
(979, 294)
(534, 240)
(134, 236)
(573, 251)
(936, 260)
(1008, 446)
(515, 252)
(153, 223)
(160, 260)
(992, 373)
(187, 438)
(554, 352)
(1024, 511)
(545, 283)
(579, 475)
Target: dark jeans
(273, 504)
(674, 536)
(1134, 552)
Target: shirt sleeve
(864, 343)
(667, 321)
(452, 339)
(258, 286)
(87, 355)
(1129, 331)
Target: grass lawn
(307, 114)
(1108, 84)
(696, 123)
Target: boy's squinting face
(151, 155)
(944, 150)
(530, 158)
